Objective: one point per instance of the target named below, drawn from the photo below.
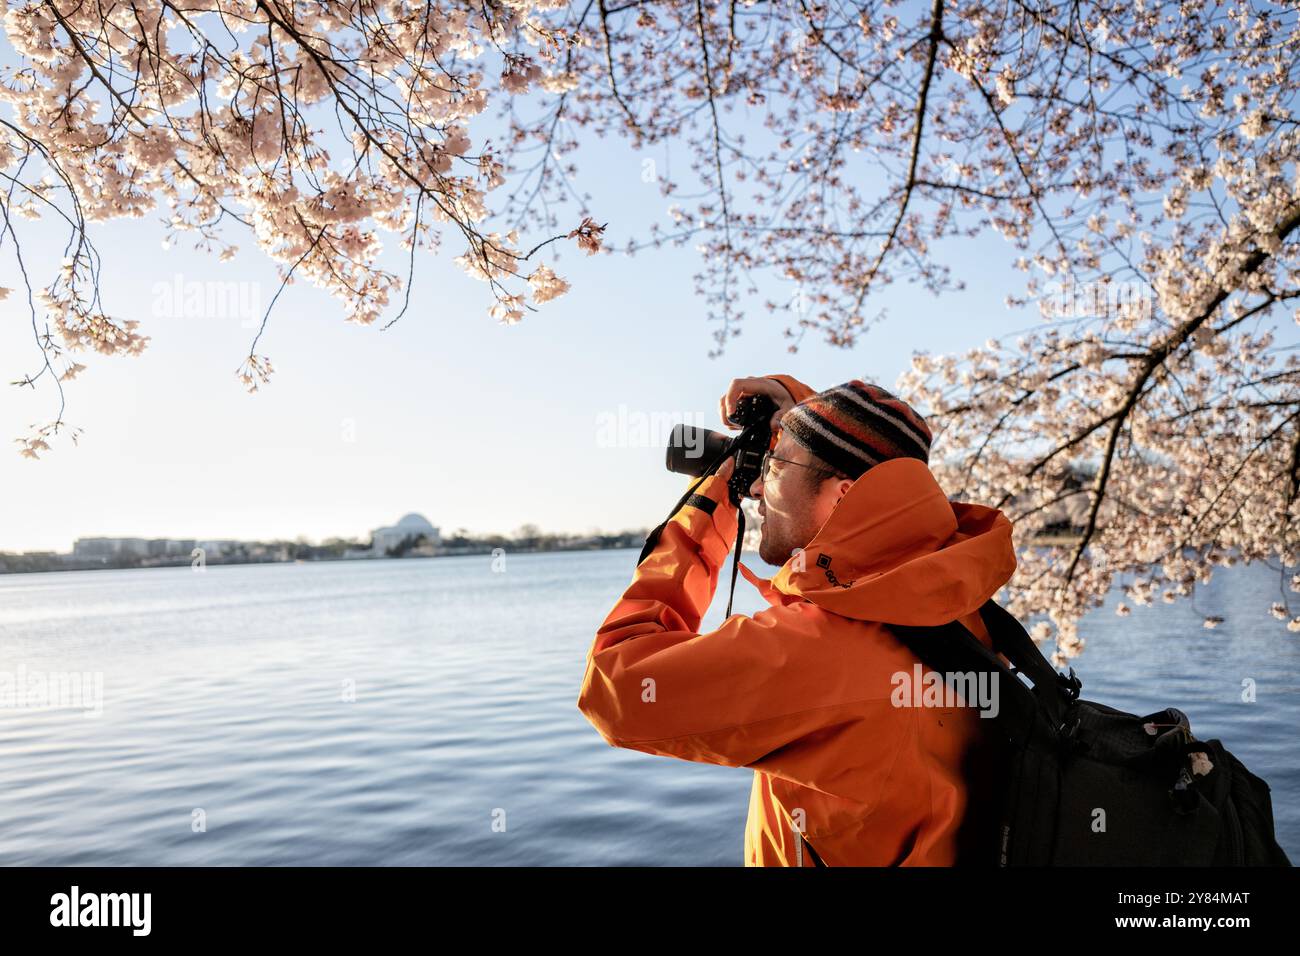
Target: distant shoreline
(43, 563)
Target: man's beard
(769, 549)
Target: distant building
(216, 549)
(412, 526)
(94, 547)
(168, 547)
(110, 548)
(103, 549)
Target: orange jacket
(802, 692)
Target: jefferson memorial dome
(410, 526)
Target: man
(847, 770)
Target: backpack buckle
(1070, 685)
(1183, 794)
(1069, 730)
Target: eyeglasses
(768, 458)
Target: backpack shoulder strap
(952, 648)
(1055, 691)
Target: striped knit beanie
(855, 426)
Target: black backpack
(1083, 784)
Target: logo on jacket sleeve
(824, 562)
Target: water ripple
(424, 712)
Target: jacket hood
(895, 550)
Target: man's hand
(716, 485)
(741, 387)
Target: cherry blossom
(1138, 162)
(312, 128)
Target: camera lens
(691, 450)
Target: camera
(700, 451)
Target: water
(227, 698)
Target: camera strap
(653, 537)
(735, 558)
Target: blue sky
(475, 424)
